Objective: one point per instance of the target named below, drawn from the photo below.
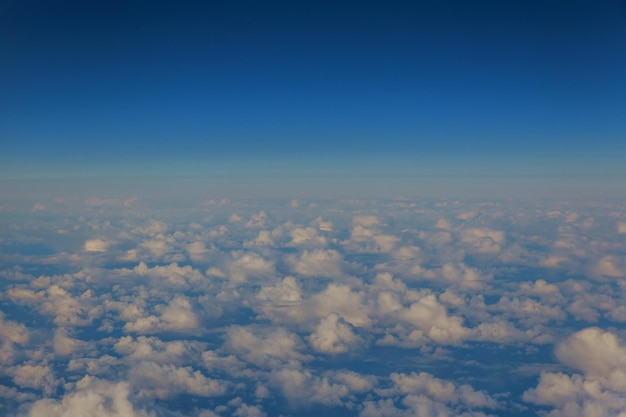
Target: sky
(202, 89)
(281, 209)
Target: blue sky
(159, 88)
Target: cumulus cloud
(334, 335)
(163, 381)
(97, 245)
(177, 316)
(258, 314)
(483, 240)
(92, 397)
(599, 390)
(249, 265)
(271, 349)
(318, 262)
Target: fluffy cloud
(318, 262)
(599, 390)
(333, 335)
(256, 314)
(483, 240)
(96, 245)
(271, 349)
(92, 397)
(163, 381)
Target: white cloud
(92, 397)
(607, 266)
(35, 376)
(97, 245)
(13, 331)
(249, 265)
(483, 240)
(265, 349)
(430, 316)
(333, 335)
(365, 221)
(306, 235)
(343, 301)
(163, 381)
(317, 262)
(600, 390)
(177, 315)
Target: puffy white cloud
(64, 344)
(317, 262)
(245, 410)
(600, 390)
(97, 245)
(68, 310)
(306, 235)
(13, 331)
(443, 391)
(596, 352)
(196, 250)
(249, 265)
(177, 316)
(430, 316)
(35, 376)
(163, 381)
(343, 301)
(303, 387)
(156, 350)
(282, 302)
(457, 273)
(483, 240)
(174, 274)
(607, 266)
(621, 227)
(264, 238)
(265, 349)
(333, 335)
(257, 220)
(92, 397)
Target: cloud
(182, 311)
(599, 390)
(269, 349)
(607, 266)
(164, 381)
(249, 265)
(483, 240)
(334, 335)
(344, 302)
(92, 397)
(97, 245)
(365, 221)
(317, 262)
(177, 316)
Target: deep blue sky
(142, 88)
